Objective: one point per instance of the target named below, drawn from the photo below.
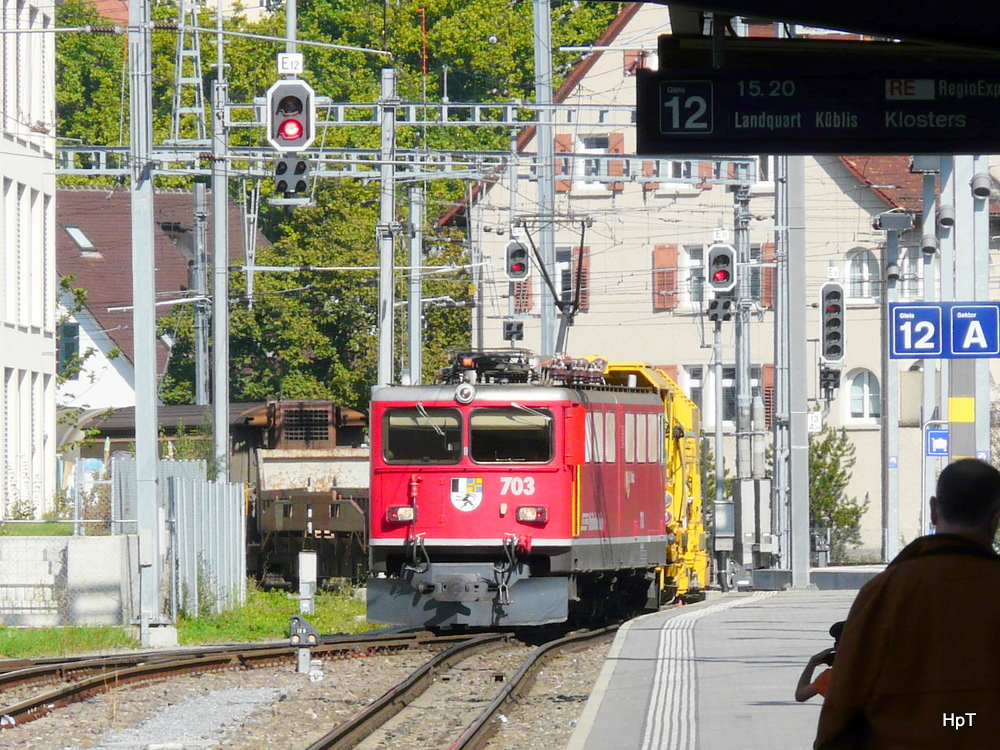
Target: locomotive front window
(517, 434)
(422, 436)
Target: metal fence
(207, 556)
(124, 492)
(204, 563)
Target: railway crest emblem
(466, 492)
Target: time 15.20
(766, 88)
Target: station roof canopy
(973, 24)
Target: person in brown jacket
(918, 665)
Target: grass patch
(265, 617)
(31, 643)
(40, 528)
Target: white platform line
(671, 716)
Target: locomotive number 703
(517, 485)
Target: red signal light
(517, 267)
(290, 130)
(721, 276)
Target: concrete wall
(50, 581)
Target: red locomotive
(523, 494)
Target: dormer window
(82, 241)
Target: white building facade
(28, 293)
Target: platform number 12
(686, 107)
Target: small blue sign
(975, 330)
(915, 331)
(937, 443)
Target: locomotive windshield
(422, 436)
(514, 435)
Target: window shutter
(767, 276)
(523, 298)
(665, 277)
(564, 145)
(616, 167)
(767, 393)
(584, 258)
(706, 171)
(648, 170)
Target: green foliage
(20, 508)
(266, 614)
(708, 477)
(264, 617)
(32, 643)
(91, 84)
(314, 334)
(831, 458)
(43, 528)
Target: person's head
(836, 630)
(967, 499)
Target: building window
(728, 394)
(700, 387)
(910, 284)
(567, 261)
(82, 240)
(694, 376)
(564, 275)
(598, 145)
(866, 396)
(695, 286)
(69, 351)
(862, 275)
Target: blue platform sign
(937, 443)
(944, 330)
(915, 330)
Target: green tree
(313, 334)
(831, 458)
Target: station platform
(714, 675)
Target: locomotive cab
(469, 513)
(511, 495)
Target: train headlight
(532, 514)
(401, 514)
(465, 393)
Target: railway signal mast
(721, 276)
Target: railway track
(435, 712)
(84, 677)
(461, 692)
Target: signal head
(832, 323)
(721, 268)
(517, 265)
(291, 115)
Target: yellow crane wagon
(686, 572)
